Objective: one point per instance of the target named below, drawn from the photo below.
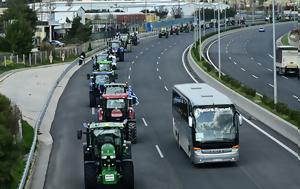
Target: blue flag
(132, 95)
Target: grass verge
(280, 109)
(284, 40)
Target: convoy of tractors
(107, 149)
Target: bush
(90, 47)
(267, 101)
(295, 115)
(282, 108)
(207, 66)
(249, 91)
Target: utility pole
(199, 15)
(219, 42)
(274, 53)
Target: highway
(152, 69)
(248, 57)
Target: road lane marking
(129, 68)
(166, 88)
(159, 77)
(141, 52)
(284, 77)
(129, 77)
(145, 123)
(162, 53)
(158, 57)
(132, 62)
(93, 111)
(254, 76)
(269, 70)
(270, 85)
(226, 52)
(157, 69)
(272, 138)
(252, 58)
(166, 49)
(296, 97)
(152, 45)
(146, 48)
(234, 62)
(252, 124)
(259, 63)
(157, 63)
(229, 58)
(159, 151)
(270, 56)
(243, 69)
(136, 57)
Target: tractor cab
(115, 88)
(104, 65)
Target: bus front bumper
(199, 157)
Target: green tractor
(107, 156)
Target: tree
(19, 34)
(161, 12)
(176, 12)
(79, 32)
(20, 23)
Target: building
(58, 18)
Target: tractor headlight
(112, 157)
(103, 157)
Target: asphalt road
(152, 69)
(248, 57)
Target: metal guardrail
(42, 114)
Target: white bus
(205, 123)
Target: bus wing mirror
(240, 119)
(190, 121)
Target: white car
(261, 29)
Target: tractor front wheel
(90, 176)
(128, 177)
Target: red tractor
(119, 108)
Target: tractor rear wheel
(132, 133)
(90, 176)
(128, 177)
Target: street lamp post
(203, 17)
(199, 15)
(219, 42)
(274, 53)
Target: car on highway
(57, 43)
(261, 29)
(163, 32)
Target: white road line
(270, 56)
(254, 76)
(129, 77)
(129, 68)
(157, 69)
(229, 58)
(158, 57)
(243, 69)
(157, 63)
(152, 45)
(269, 70)
(159, 152)
(234, 62)
(136, 57)
(270, 85)
(226, 52)
(166, 49)
(295, 97)
(252, 58)
(145, 123)
(159, 77)
(272, 138)
(166, 88)
(146, 48)
(284, 77)
(132, 62)
(162, 53)
(93, 111)
(141, 52)
(259, 63)
(252, 124)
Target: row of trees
(209, 13)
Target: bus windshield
(214, 124)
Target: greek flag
(132, 95)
